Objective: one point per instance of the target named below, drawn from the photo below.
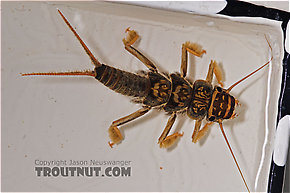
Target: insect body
(173, 93)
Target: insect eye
(219, 89)
(211, 118)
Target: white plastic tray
(64, 118)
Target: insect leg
(196, 129)
(214, 68)
(165, 141)
(201, 133)
(131, 38)
(115, 134)
(194, 49)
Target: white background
(67, 118)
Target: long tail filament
(92, 57)
(76, 73)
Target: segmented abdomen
(123, 82)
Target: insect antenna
(235, 84)
(225, 137)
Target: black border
(239, 8)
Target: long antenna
(223, 132)
(235, 84)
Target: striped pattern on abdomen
(123, 82)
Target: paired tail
(75, 73)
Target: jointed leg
(201, 133)
(214, 68)
(165, 141)
(197, 133)
(131, 38)
(194, 49)
(115, 134)
(196, 129)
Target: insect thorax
(201, 98)
(180, 94)
(160, 90)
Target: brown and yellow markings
(202, 94)
(109, 79)
(210, 110)
(113, 86)
(161, 90)
(228, 107)
(198, 106)
(223, 97)
(219, 104)
(181, 94)
(222, 105)
(104, 74)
